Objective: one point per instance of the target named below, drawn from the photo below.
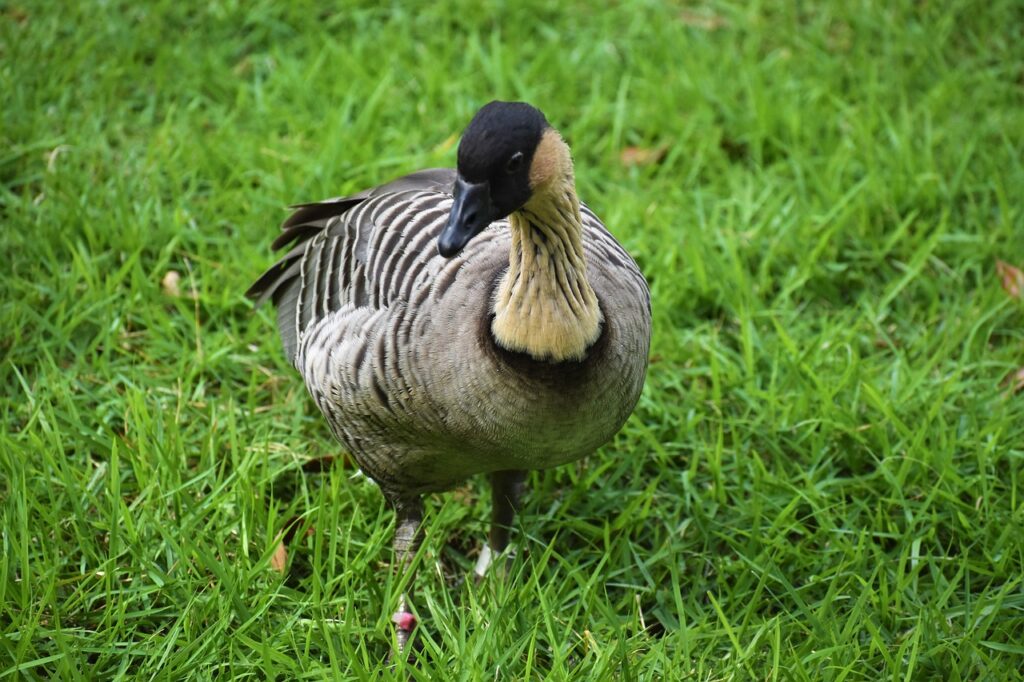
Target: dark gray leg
(408, 516)
(506, 493)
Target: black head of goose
(458, 322)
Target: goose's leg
(506, 492)
(408, 516)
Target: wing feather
(357, 250)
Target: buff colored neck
(544, 305)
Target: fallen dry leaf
(1012, 278)
(279, 559)
(642, 156)
(171, 283)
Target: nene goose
(457, 322)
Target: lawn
(823, 479)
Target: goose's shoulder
(610, 259)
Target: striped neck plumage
(544, 305)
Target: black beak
(472, 211)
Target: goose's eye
(514, 163)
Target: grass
(823, 479)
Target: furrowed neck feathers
(544, 306)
